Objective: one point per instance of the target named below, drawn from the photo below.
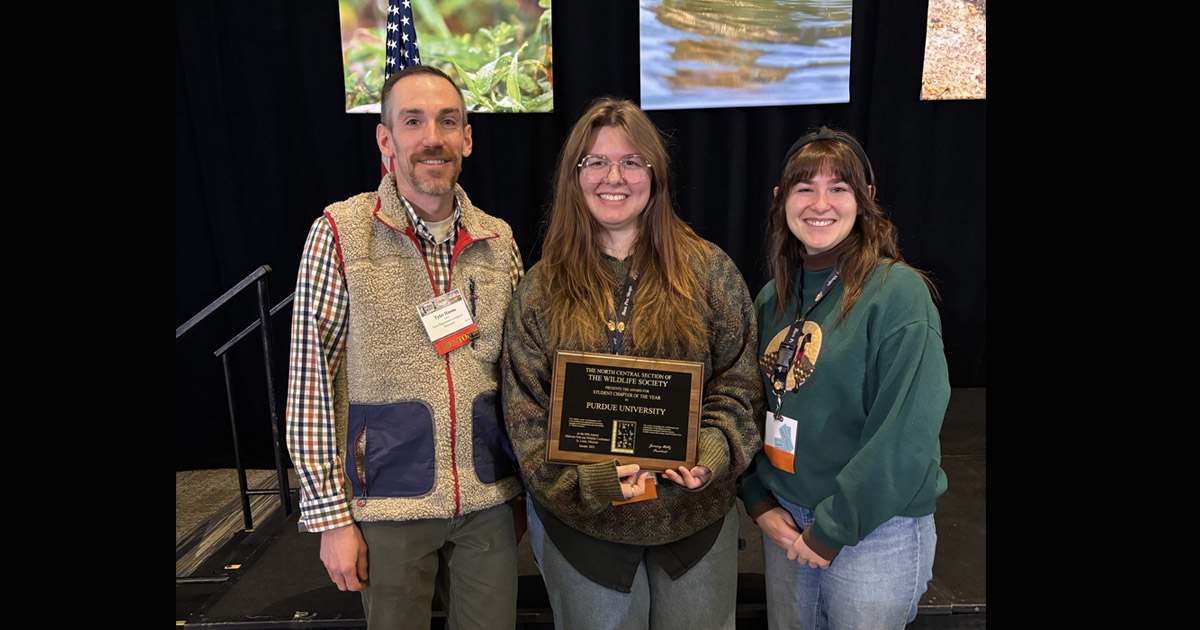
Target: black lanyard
(618, 325)
(788, 354)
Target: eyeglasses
(633, 168)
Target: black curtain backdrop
(263, 144)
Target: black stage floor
(271, 576)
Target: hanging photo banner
(955, 51)
(699, 53)
(498, 52)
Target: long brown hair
(872, 239)
(578, 280)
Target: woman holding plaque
(856, 384)
(621, 273)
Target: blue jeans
(704, 597)
(874, 584)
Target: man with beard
(393, 418)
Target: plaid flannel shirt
(318, 345)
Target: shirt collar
(419, 224)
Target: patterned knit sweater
(730, 426)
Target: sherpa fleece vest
(424, 436)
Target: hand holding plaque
(634, 409)
(689, 478)
(633, 480)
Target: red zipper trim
(464, 239)
(462, 243)
(453, 439)
(337, 242)
(449, 382)
(459, 245)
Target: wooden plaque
(634, 409)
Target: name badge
(447, 321)
(779, 442)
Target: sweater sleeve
(755, 496)
(526, 372)
(907, 390)
(732, 411)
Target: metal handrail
(217, 303)
(252, 327)
(264, 323)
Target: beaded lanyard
(788, 354)
(617, 325)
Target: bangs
(828, 157)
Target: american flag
(401, 48)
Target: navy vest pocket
(492, 451)
(391, 451)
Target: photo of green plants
(499, 52)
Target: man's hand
(633, 484)
(690, 479)
(344, 553)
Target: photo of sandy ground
(955, 51)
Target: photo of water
(744, 53)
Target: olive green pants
(478, 552)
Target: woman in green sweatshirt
(850, 350)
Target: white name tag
(781, 432)
(779, 441)
(447, 321)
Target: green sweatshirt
(869, 415)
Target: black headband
(825, 133)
